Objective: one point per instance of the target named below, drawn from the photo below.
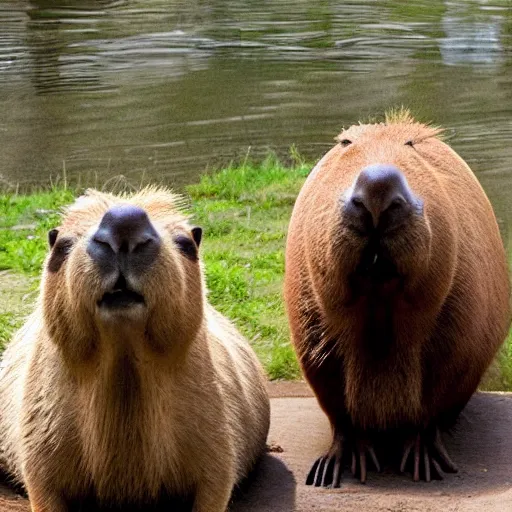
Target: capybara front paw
(428, 456)
(358, 465)
(328, 469)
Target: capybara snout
(380, 200)
(125, 243)
(126, 228)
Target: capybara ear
(197, 235)
(187, 247)
(52, 237)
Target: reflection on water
(471, 40)
(167, 88)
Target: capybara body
(397, 291)
(125, 385)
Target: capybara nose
(380, 198)
(125, 235)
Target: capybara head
(125, 264)
(375, 200)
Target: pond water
(163, 90)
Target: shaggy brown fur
(166, 398)
(408, 352)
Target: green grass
(9, 322)
(24, 224)
(244, 212)
(499, 375)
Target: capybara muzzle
(380, 201)
(125, 244)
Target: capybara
(125, 387)
(397, 293)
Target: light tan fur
(169, 398)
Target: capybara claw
(311, 478)
(327, 470)
(429, 457)
(359, 460)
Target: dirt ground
(481, 445)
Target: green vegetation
(244, 212)
(499, 376)
(24, 223)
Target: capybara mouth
(120, 296)
(120, 299)
(377, 265)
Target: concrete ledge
(481, 447)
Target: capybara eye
(186, 246)
(409, 143)
(345, 142)
(52, 236)
(64, 246)
(59, 253)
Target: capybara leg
(40, 503)
(429, 455)
(359, 449)
(328, 469)
(212, 498)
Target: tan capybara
(397, 293)
(125, 388)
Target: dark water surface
(164, 89)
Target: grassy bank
(244, 212)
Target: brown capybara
(125, 388)
(397, 293)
